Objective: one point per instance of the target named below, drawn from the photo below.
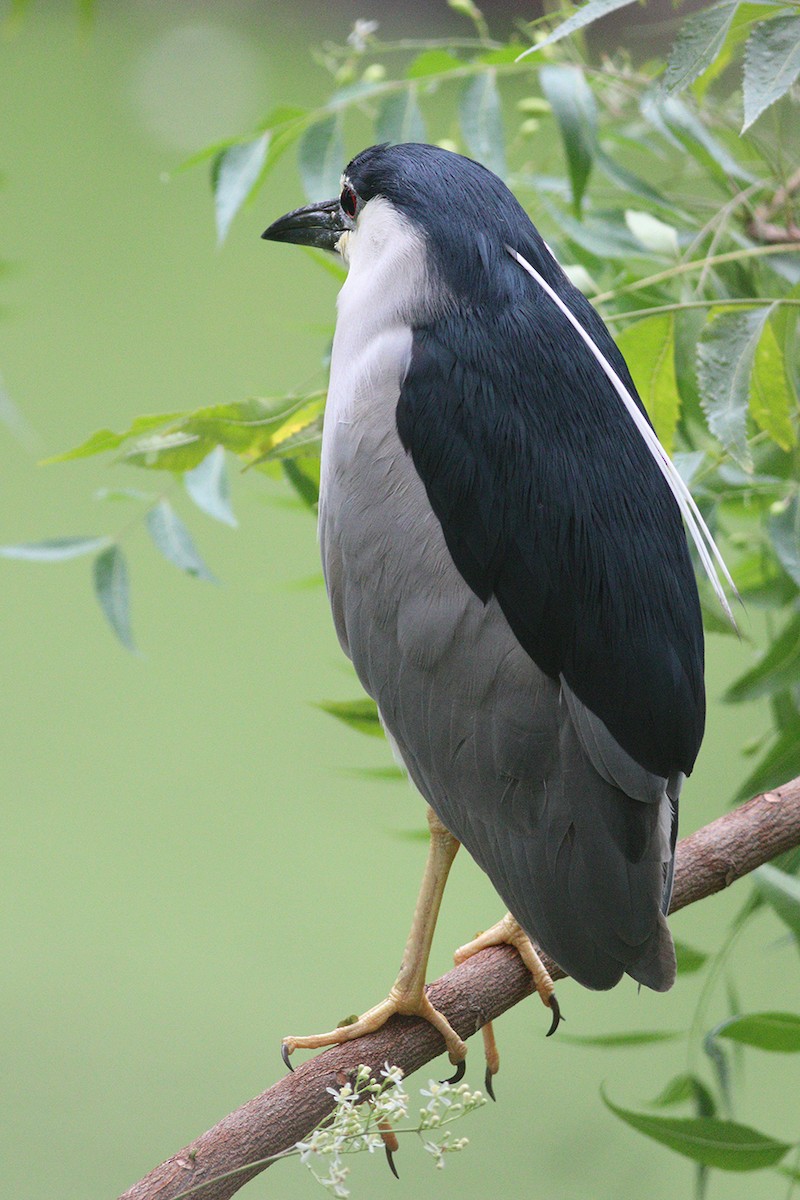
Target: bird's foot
(508, 931)
(403, 1000)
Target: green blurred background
(188, 870)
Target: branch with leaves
(244, 1143)
(674, 204)
(663, 202)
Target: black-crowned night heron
(503, 551)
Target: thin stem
(716, 226)
(717, 963)
(794, 1177)
(407, 44)
(697, 265)
(680, 305)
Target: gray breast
(520, 773)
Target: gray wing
(575, 836)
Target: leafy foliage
(665, 196)
(708, 1140)
(679, 253)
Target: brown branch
(472, 994)
(763, 228)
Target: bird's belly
(473, 717)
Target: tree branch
(472, 994)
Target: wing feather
(549, 500)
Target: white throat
(387, 278)
(383, 296)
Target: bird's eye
(349, 200)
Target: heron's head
(459, 213)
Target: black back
(547, 494)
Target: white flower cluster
(364, 1116)
(447, 1103)
(360, 34)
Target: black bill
(320, 225)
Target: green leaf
(303, 475)
(172, 538)
(758, 576)
(777, 1031)
(679, 124)
(326, 262)
(86, 10)
(390, 774)
(677, 1091)
(771, 64)
(649, 349)
(277, 121)
(602, 239)
(586, 15)
(432, 62)
(689, 959)
(654, 235)
(683, 1088)
(299, 444)
(122, 493)
(726, 1145)
(113, 593)
(612, 1041)
(168, 450)
(234, 175)
(412, 835)
(778, 668)
(626, 179)
(771, 400)
(350, 94)
(250, 429)
(504, 54)
(782, 893)
(14, 17)
(321, 159)
(722, 1070)
(574, 107)
(358, 714)
(54, 549)
(106, 439)
(281, 116)
(784, 530)
(400, 120)
(209, 487)
(781, 762)
(699, 40)
(580, 278)
(747, 13)
(725, 357)
(481, 117)
(282, 138)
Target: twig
(763, 226)
(476, 992)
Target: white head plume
(701, 535)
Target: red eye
(349, 201)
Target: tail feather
(588, 876)
(657, 967)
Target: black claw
(557, 1017)
(285, 1057)
(390, 1160)
(488, 1084)
(461, 1070)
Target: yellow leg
(509, 931)
(407, 993)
